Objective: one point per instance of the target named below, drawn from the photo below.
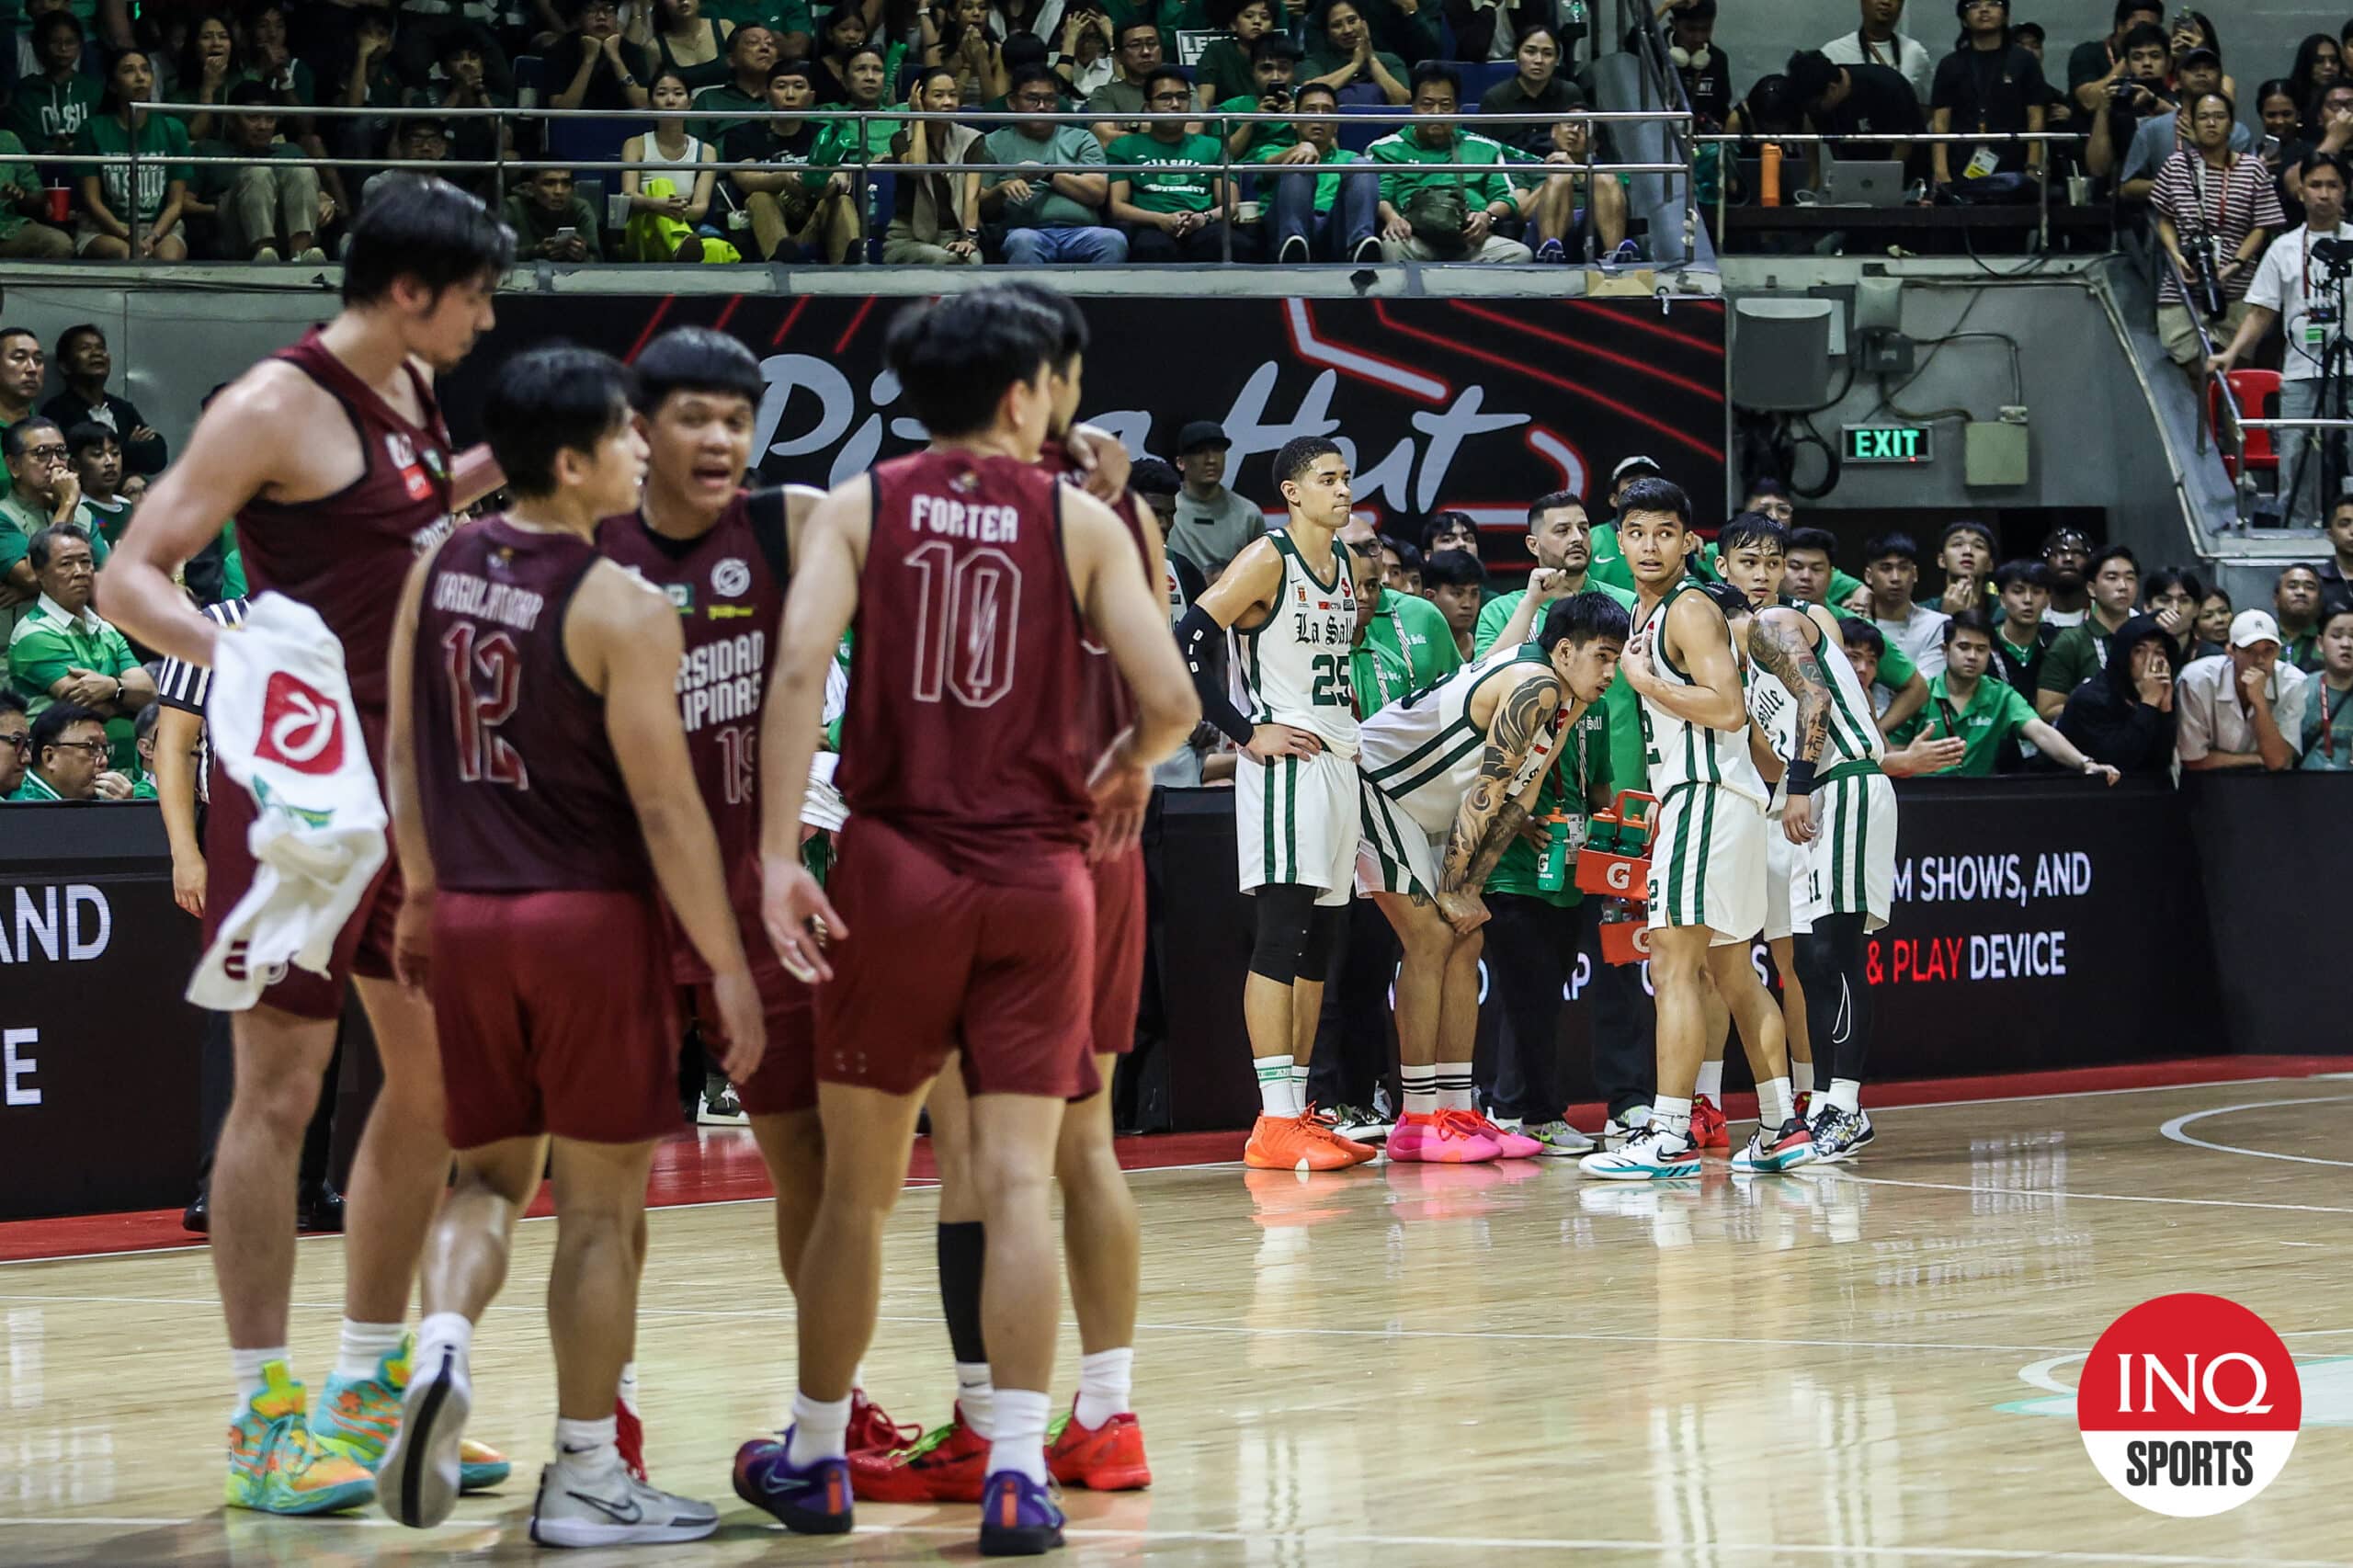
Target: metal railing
(864, 165)
(1925, 138)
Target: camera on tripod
(2203, 253)
(2336, 255)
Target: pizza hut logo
(300, 728)
(731, 578)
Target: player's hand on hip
(790, 900)
(1797, 819)
(1269, 742)
(1122, 791)
(742, 1022)
(412, 942)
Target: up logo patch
(300, 727)
(730, 579)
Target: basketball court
(1412, 1364)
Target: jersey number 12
(478, 710)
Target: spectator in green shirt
(1442, 217)
(551, 223)
(66, 759)
(2295, 601)
(61, 651)
(2328, 700)
(1055, 218)
(1332, 217)
(768, 158)
(846, 147)
(269, 209)
(1166, 193)
(48, 111)
(1985, 714)
(43, 491)
(1273, 59)
(751, 65)
(1345, 60)
(22, 236)
(2081, 652)
(96, 453)
(1228, 67)
(210, 69)
(16, 742)
(1569, 203)
(1408, 627)
(109, 204)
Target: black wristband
(1800, 780)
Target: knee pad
(1323, 925)
(1285, 911)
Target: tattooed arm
(1498, 806)
(1780, 646)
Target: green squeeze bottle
(1553, 874)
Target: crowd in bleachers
(679, 80)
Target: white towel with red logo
(284, 729)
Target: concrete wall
(2259, 37)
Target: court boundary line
(2173, 1129)
(1323, 1538)
(2056, 1194)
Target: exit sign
(1887, 444)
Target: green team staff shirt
(1995, 712)
(48, 642)
(1380, 677)
(1416, 635)
(1608, 746)
(2079, 652)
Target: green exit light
(1887, 444)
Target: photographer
(1274, 60)
(2216, 209)
(2301, 284)
(2135, 92)
(2159, 139)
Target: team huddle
(1773, 817)
(606, 724)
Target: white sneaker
(1617, 1130)
(1361, 1124)
(1559, 1138)
(265, 254)
(417, 1482)
(722, 1108)
(613, 1509)
(1650, 1153)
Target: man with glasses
(66, 759)
(43, 492)
(16, 742)
(1136, 57)
(1056, 218)
(61, 651)
(1988, 86)
(1443, 217)
(1167, 195)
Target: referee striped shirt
(188, 687)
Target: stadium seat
(1478, 75)
(587, 140)
(531, 80)
(2258, 395)
(1357, 138)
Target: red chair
(2258, 392)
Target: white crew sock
(819, 1426)
(1299, 1087)
(1019, 1443)
(441, 1331)
(626, 1393)
(1711, 1080)
(1801, 1076)
(1454, 1086)
(1421, 1090)
(976, 1397)
(585, 1447)
(1773, 1103)
(1104, 1380)
(1846, 1094)
(248, 1365)
(1276, 1094)
(363, 1345)
(1672, 1116)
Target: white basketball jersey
(1849, 734)
(1680, 752)
(1423, 753)
(1294, 668)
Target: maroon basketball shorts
(786, 1079)
(1118, 951)
(935, 962)
(364, 946)
(556, 1015)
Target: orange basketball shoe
(1294, 1143)
(1357, 1152)
(1109, 1458)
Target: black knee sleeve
(1285, 912)
(1325, 923)
(1838, 995)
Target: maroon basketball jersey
(966, 675)
(345, 554)
(1107, 706)
(516, 773)
(730, 601)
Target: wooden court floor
(1411, 1365)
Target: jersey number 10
(967, 624)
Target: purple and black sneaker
(1019, 1517)
(808, 1500)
